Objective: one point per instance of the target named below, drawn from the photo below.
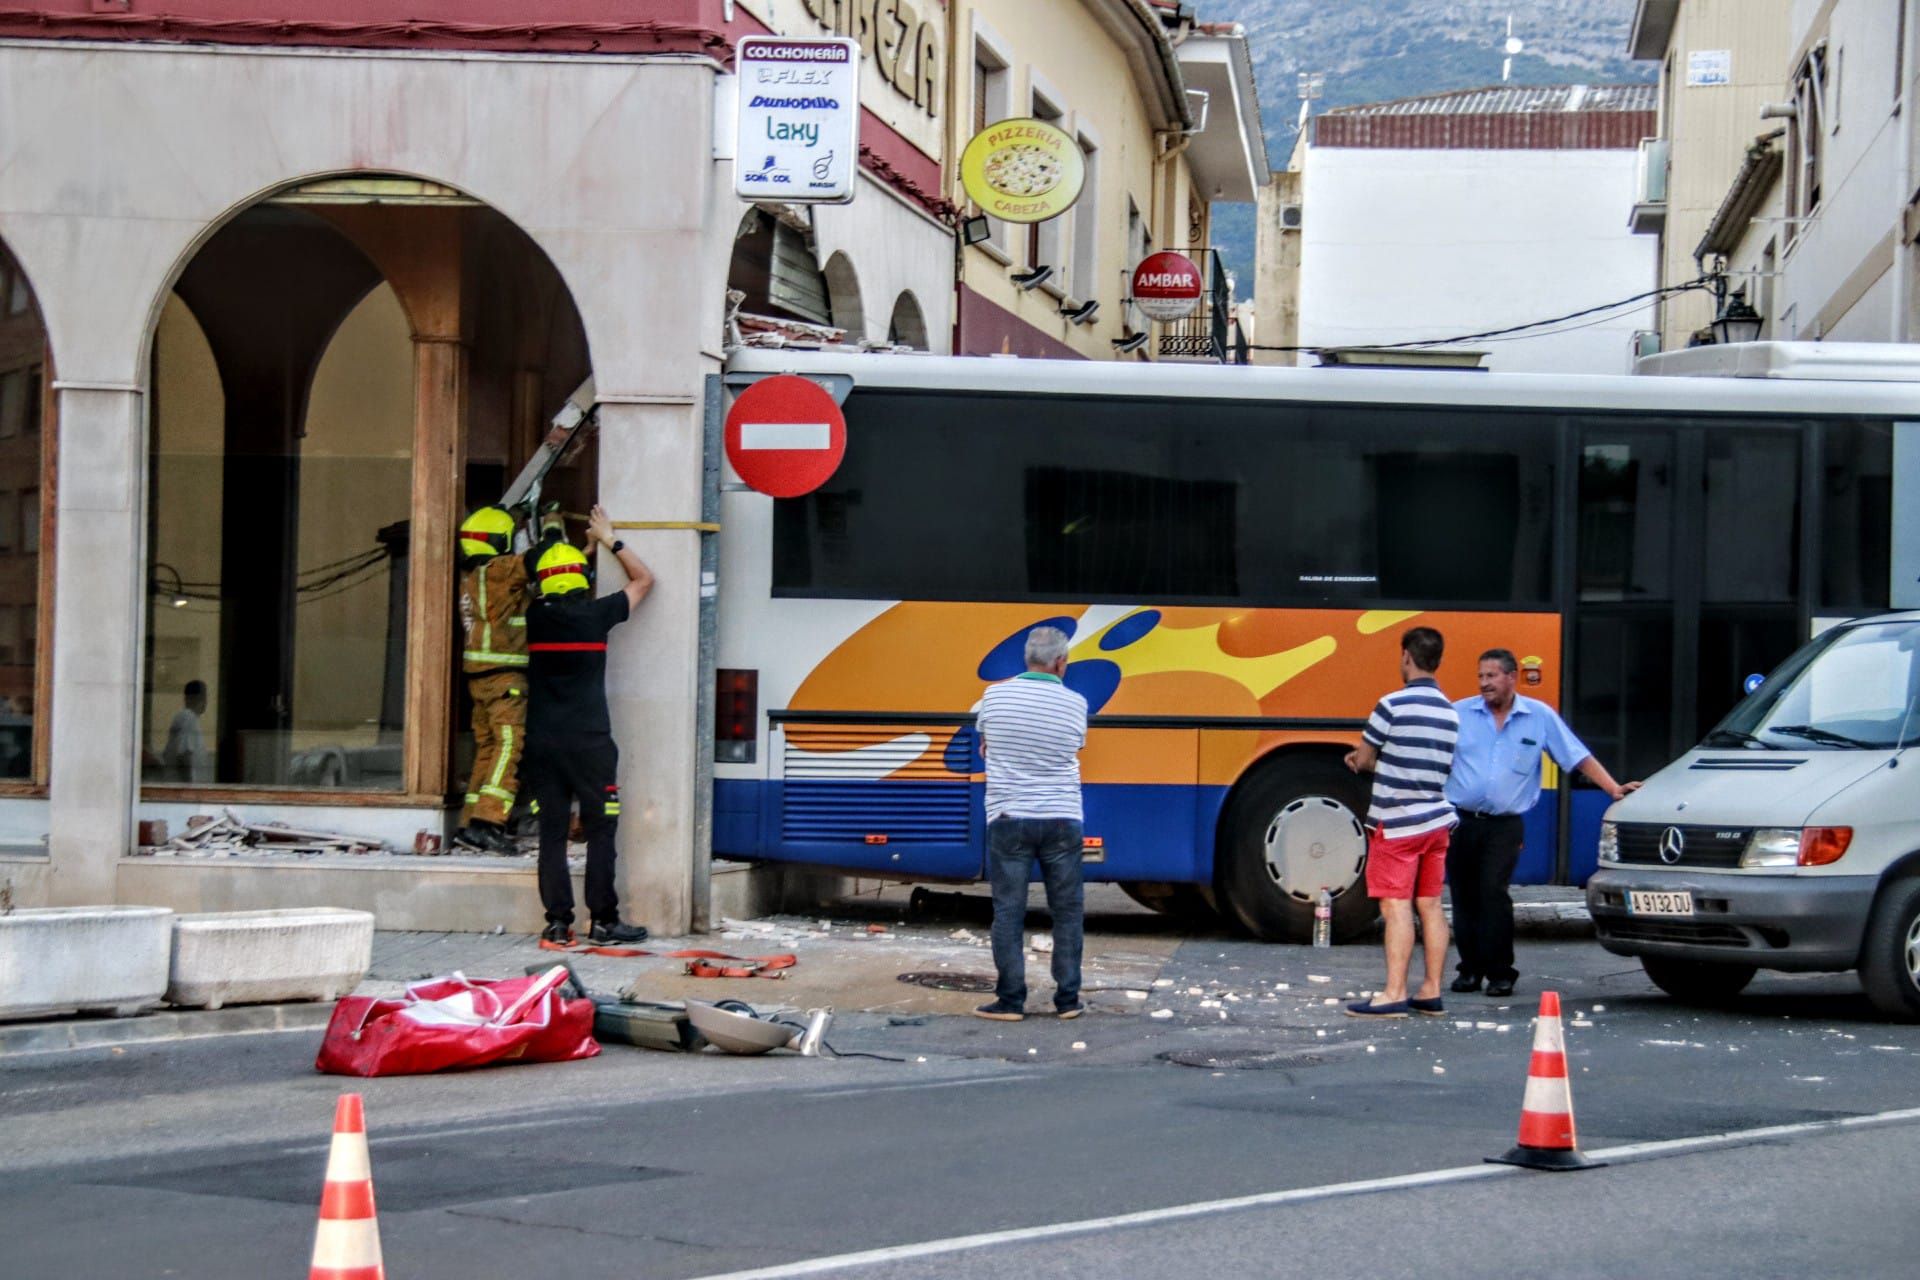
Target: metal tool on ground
(346, 1244)
(645, 1024)
(1546, 1114)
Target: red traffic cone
(1546, 1114)
(347, 1244)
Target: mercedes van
(1789, 838)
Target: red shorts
(1409, 867)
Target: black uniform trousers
(1480, 861)
(560, 771)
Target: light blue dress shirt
(1498, 770)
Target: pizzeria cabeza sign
(798, 137)
(1023, 170)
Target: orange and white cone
(1546, 1115)
(347, 1244)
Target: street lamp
(1737, 322)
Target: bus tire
(1187, 903)
(1890, 952)
(1294, 826)
(1697, 981)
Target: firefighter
(571, 753)
(493, 609)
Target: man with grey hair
(1031, 729)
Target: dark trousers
(1012, 846)
(1480, 863)
(561, 771)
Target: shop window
(25, 464)
(279, 492)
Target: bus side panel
(736, 817)
(1540, 834)
(1147, 831)
(1583, 835)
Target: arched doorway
(341, 371)
(908, 325)
(26, 462)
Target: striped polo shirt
(1414, 729)
(1034, 727)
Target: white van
(1789, 838)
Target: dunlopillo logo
(795, 104)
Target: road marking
(1297, 1195)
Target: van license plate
(1645, 902)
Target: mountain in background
(1377, 50)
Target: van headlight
(1609, 842)
(1796, 846)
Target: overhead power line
(1516, 330)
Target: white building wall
(1832, 270)
(1411, 244)
(114, 176)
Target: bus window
(1856, 505)
(951, 496)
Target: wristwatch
(616, 546)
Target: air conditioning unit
(1646, 342)
(1290, 217)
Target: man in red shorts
(1408, 747)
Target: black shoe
(561, 934)
(605, 931)
(1465, 983)
(1073, 1010)
(1500, 988)
(1001, 1011)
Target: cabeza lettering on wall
(905, 49)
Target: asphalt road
(205, 1159)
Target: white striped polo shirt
(1034, 727)
(1414, 729)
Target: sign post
(798, 137)
(1167, 286)
(785, 436)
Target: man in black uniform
(570, 749)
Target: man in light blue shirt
(1494, 782)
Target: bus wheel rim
(1314, 843)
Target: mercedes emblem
(1673, 843)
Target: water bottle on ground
(1323, 919)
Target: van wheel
(1291, 830)
(1187, 903)
(1697, 981)
(1890, 954)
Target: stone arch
(465, 341)
(843, 293)
(908, 325)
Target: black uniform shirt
(567, 664)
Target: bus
(1235, 553)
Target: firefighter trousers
(560, 771)
(499, 738)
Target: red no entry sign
(785, 436)
(1167, 286)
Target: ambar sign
(1167, 286)
(905, 49)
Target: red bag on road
(451, 1023)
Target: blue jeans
(1012, 845)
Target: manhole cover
(1240, 1059)
(974, 982)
